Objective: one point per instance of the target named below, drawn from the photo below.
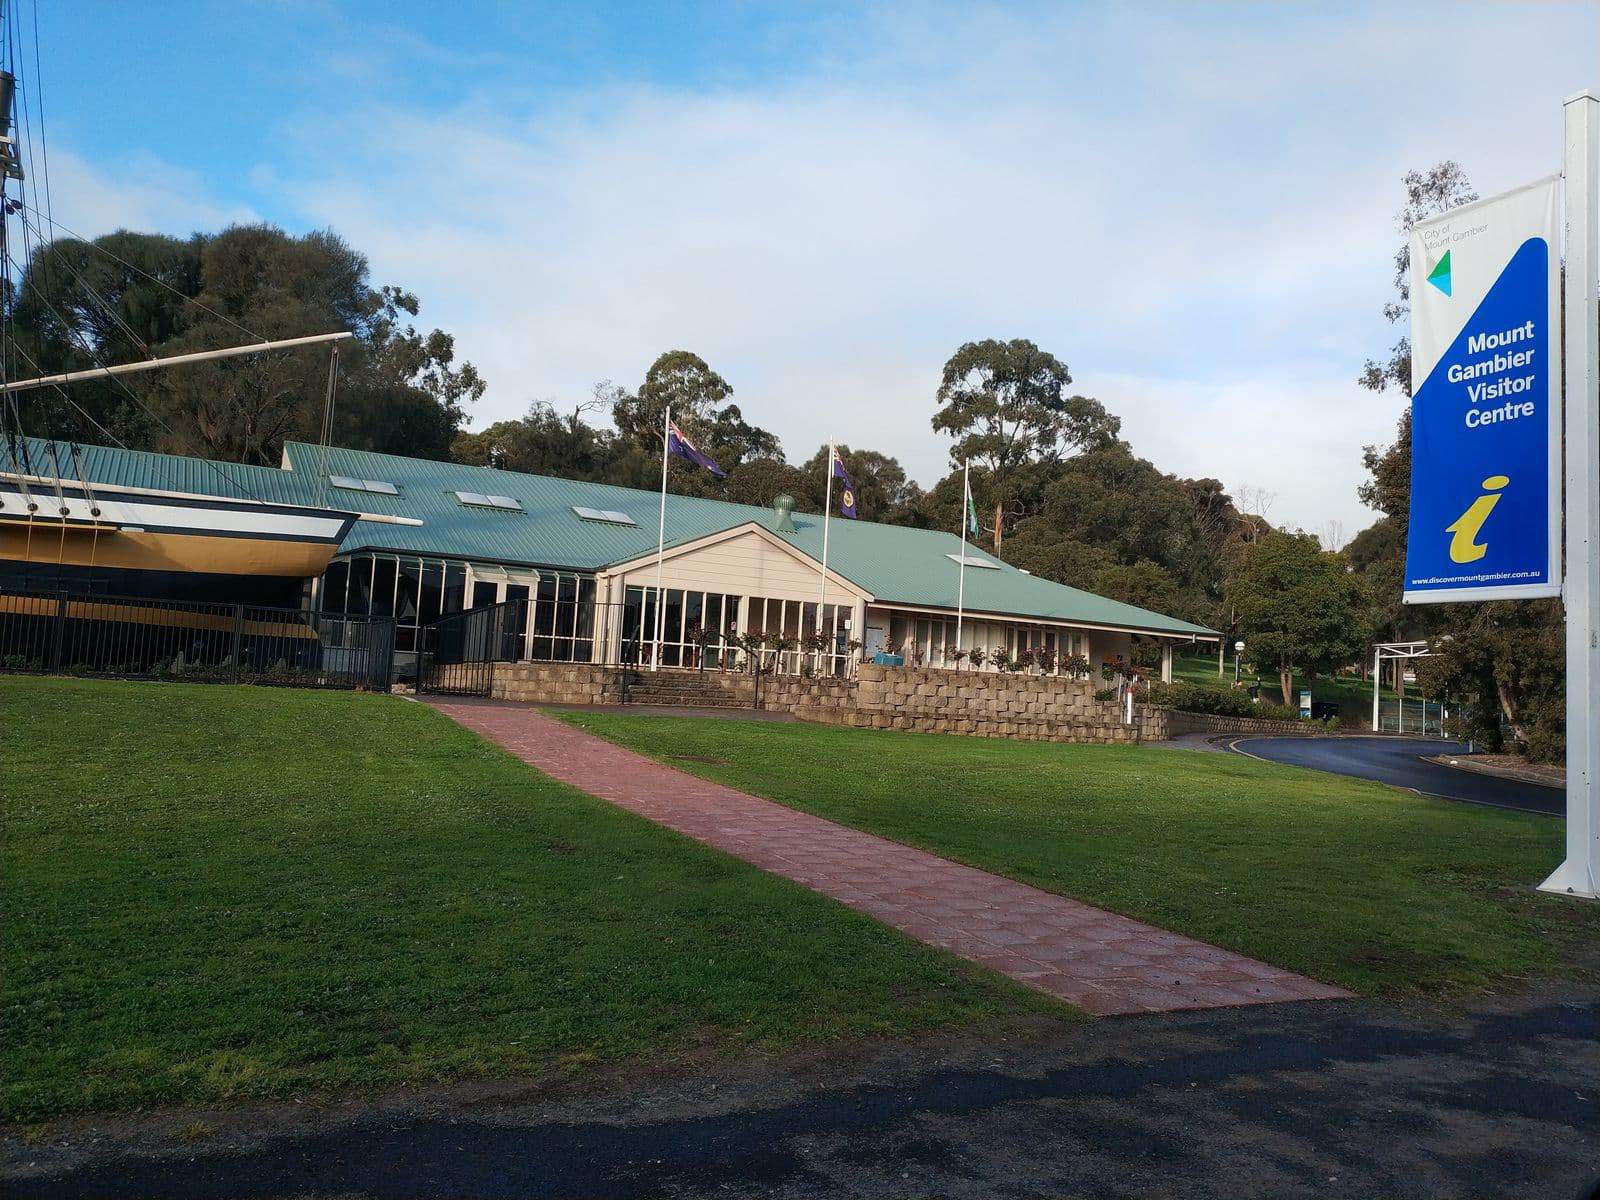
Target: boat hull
(133, 542)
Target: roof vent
(783, 512)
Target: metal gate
(456, 654)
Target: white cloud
(142, 193)
(1192, 207)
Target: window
(483, 500)
(974, 562)
(383, 573)
(608, 516)
(379, 486)
(335, 583)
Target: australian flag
(847, 490)
(684, 448)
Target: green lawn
(1353, 695)
(214, 891)
(1351, 882)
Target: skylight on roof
(974, 562)
(608, 516)
(380, 486)
(481, 500)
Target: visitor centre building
(424, 539)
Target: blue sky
(1191, 206)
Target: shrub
(1276, 712)
(1203, 698)
(1075, 665)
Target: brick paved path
(1101, 962)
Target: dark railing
(457, 653)
(136, 638)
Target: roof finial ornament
(783, 511)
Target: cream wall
(749, 564)
(746, 564)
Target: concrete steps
(683, 689)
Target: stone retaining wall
(979, 704)
(553, 683)
(983, 704)
(1188, 722)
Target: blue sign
(1484, 425)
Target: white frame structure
(1384, 652)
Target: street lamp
(1238, 649)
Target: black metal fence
(457, 653)
(130, 637)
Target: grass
(215, 891)
(1351, 882)
(1351, 693)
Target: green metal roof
(895, 564)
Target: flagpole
(827, 515)
(961, 587)
(661, 543)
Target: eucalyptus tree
(1006, 406)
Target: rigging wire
(88, 419)
(138, 270)
(29, 175)
(51, 249)
(131, 394)
(327, 417)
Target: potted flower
(1045, 659)
(976, 657)
(814, 643)
(752, 643)
(1075, 666)
(1025, 659)
(782, 643)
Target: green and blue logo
(1439, 276)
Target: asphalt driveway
(1403, 763)
(1316, 1100)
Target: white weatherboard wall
(745, 564)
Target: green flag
(972, 512)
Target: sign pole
(1580, 873)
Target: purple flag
(847, 490)
(684, 448)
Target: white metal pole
(1580, 873)
(661, 543)
(1377, 674)
(961, 583)
(827, 514)
(174, 360)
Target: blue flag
(684, 448)
(847, 490)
